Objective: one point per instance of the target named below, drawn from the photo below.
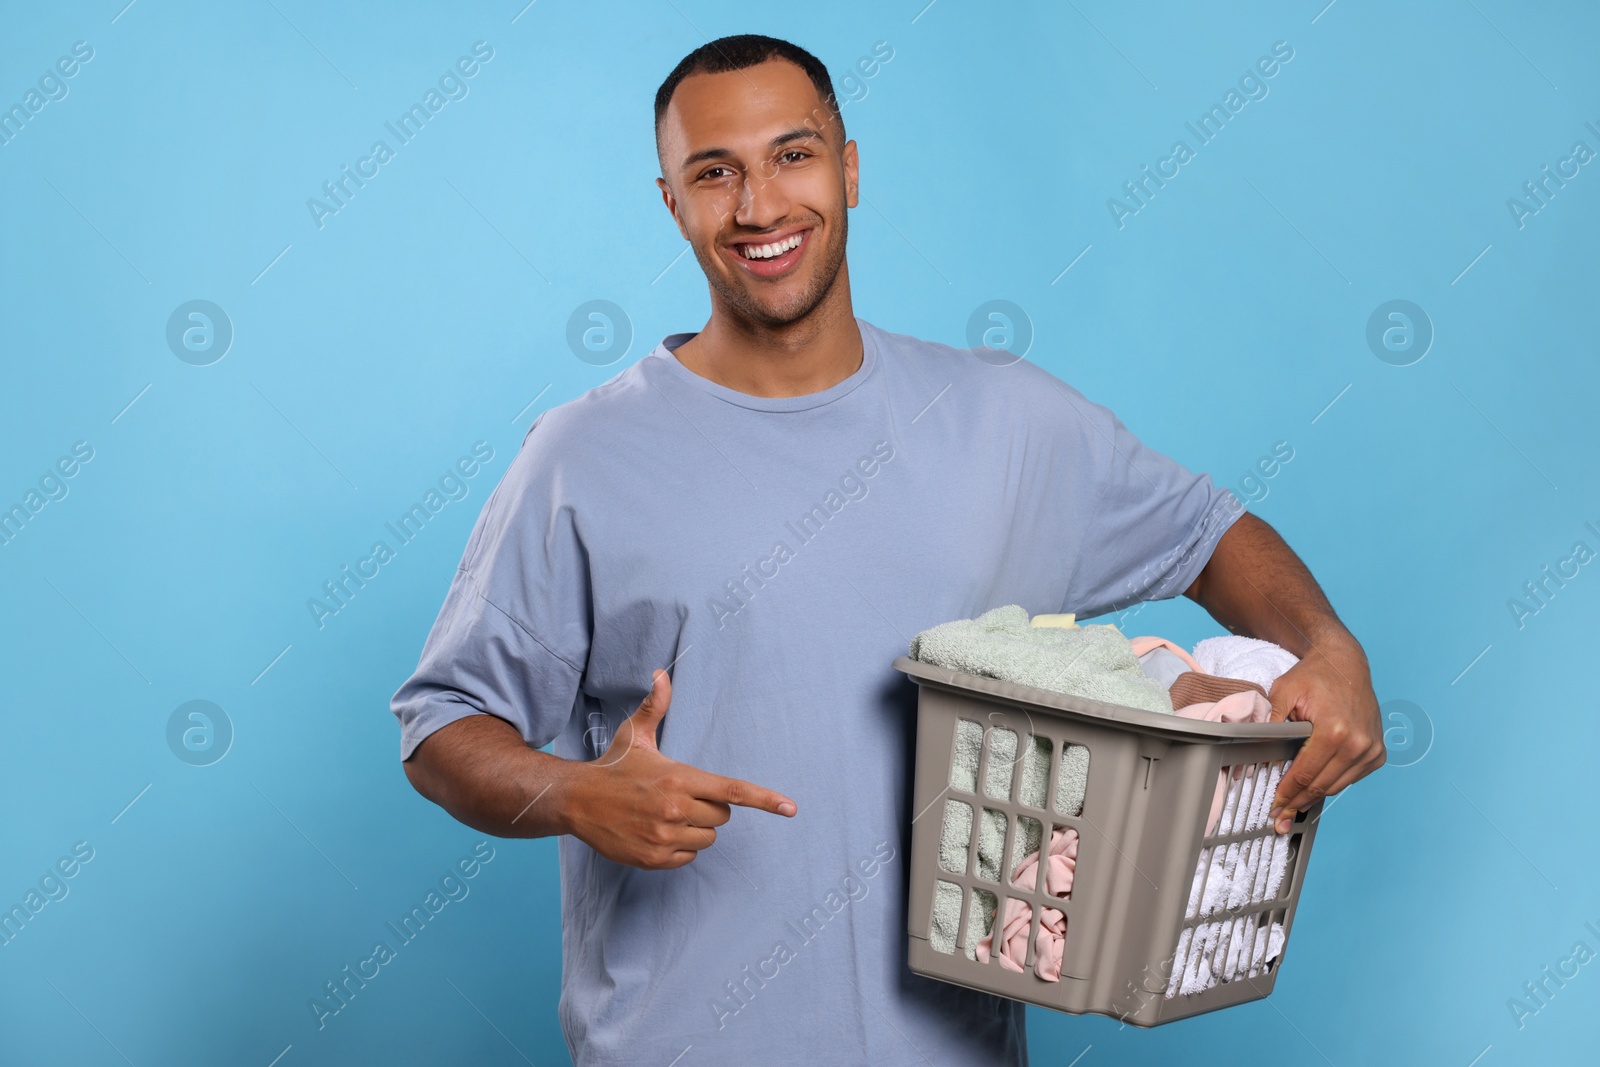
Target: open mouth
(768, 259)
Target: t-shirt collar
(869, 359)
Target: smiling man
(766, 510)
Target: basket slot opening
(1240, 874)
(1242, 792)
(991, 845)
(946, 919)
(1215, 952)
(1030, 832)
(1035, 771)
(1179, 957)
(1231, 783)
(1072, 779)
(955, 839)
(1060, 862)
(1263, 785)
(1250, 883)
(1282, 879)
(981, 909)
(1197, 886)
(964, 760)
(1228, 951)
(1268, 947)
(1215, 892)
(999, 762)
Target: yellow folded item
(1065, 622)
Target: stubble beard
(746, 306)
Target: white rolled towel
(1261, 662)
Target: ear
(672, 205)
(852, 174)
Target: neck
(796, 359)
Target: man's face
(751, 163)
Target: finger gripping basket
(1181, 893)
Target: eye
(794, 152)
(710, 171)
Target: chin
(770, 312)
(784, 314)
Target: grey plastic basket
(1142, 832)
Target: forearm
(1255, 585)
(481, 771)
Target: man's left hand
(1331, 689)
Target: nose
(762, 200)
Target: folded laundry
(1247, 706)
(1238, 694)
(1250, 946)
(1143, 646)
(1227, 684)
(1164, 665)
(1192, 687)
(1013, 953)
(1244, 657)
(1095, 662)
(956, 831)
(1061, 864)
(1231, 876)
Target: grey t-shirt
(778, 554)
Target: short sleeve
(1153, 526)
(512, 637)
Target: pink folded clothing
(1248, 706)
(1060, 864)
(1141, 645)
(1014, 940)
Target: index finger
(708, 786)
(1309, 766)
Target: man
(766, 511)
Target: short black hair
(738, 52)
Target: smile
(770, 251)
(771, 258)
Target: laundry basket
(1175, 908)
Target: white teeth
(771, 251)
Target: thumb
(652, 709)
(1286, 695)
(638, 730)
(1280, 707)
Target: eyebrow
(800, 133)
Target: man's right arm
(481, 771)
(632, 805)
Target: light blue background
(431, 312)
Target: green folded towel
(1088, 661)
